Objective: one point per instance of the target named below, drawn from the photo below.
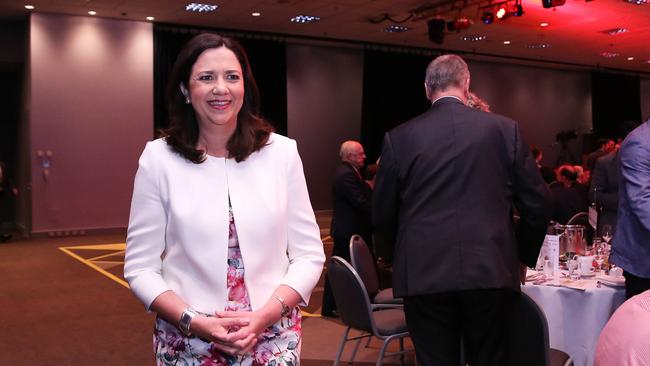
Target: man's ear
(426, 90)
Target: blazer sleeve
(635, 173)
(385, 204)
(532, 199)
(305, 248)
(145, 240)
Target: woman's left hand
(258, 321)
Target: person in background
(547, 173)
(351, 210)
(568, 199)
(222, 242)
(605, 146)
(474, 101)
(445, 191)
(625, 339)
(631, 243)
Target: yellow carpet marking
(119, 247)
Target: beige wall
(91, 106)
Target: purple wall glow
(91, 106)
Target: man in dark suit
(447, 185)
(604, 189)
(606, 146)
(351, 202)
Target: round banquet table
(576, 317)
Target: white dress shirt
(178, 229)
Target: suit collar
(446, 99)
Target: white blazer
(178, 229)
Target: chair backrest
(364, 263)
(352, 301)
(529, 333)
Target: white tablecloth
(575, 318)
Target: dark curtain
(393, 93)
(615, 98)
(267, 59)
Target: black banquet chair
(529, 343)
(364, 263)
(353, 305)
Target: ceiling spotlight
(256, 14)
(92, 12)
(200, 8)
(608, 54)
(552, 3)
(615, 31)
(543, 25)
(29, 7)
(396, 29)
(502, 12)
(637, 2)
(630, 58)
(538, 45)
(487, 17)
(305, 19)
(506, 42)
(518, 10)
(473, 38)
(150, 18)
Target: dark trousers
(341, 249)
(635, 285)
(481, 318)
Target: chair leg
(341, 346)
(356, 348)
(401, 349)
(368, 343)
(380, 358)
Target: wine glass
(606, 233)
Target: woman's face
(216, 88)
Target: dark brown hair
(252, 131)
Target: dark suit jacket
(447, 184)
(351, 205)
(604, 188)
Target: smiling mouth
(220, 104)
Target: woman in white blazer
(222, 241)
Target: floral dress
(278, 345)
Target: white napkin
(616, 281)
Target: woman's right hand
(219, 332)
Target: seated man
(625, 340)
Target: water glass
(574, 268)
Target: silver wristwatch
(186, 319)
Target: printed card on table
(551, 250)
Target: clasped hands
(233, 332)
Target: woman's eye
(232, 77)
(205, 77)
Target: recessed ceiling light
(544, 24)
(92, 12)
(630, 58)
(615, 31)
(506, 42)
(30, 7)
(305, 19)
(396, 29)
(256, 13)
(200, 8)
(150, 18)
(538, 45)
(637, 2)
(608, 54)
(473, 38)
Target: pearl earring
(187, 100)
